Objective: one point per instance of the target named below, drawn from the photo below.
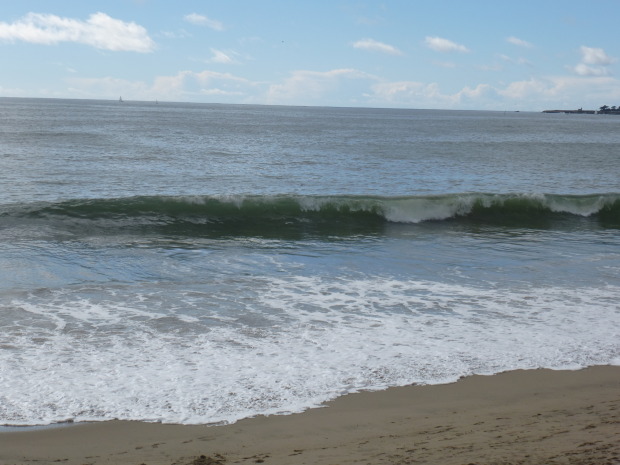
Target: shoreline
(525, 416)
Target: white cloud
(181, 34)
(401, 91)
(440, 44)
(99, 30)
(375, 46)
(205, 82)
(308, 87)
(584, 70)
(222, 57)
(201, 20)
(594, 62)
(477, 92)
(518, 61)
(525, 89)
(520, 42)
(595, 56)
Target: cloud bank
(181, 86)
(352, 87)
(99, 30)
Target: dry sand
(521, 417)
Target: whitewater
(200, 264)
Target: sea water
(198, 264)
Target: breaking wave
(256, 215)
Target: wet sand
(520, 417)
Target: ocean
(199, 264)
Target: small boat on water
(120, 99)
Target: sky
(527, 55)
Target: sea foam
(311, 339)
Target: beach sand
(519, 417)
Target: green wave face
(290, 215)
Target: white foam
(416, 210)
(583, 205)
(320, 338)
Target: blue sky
(466, 54)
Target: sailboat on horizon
(120, 99)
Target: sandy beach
(519, 417)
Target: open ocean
(194, 263)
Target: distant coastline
(604, 110)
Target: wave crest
(256, 214)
